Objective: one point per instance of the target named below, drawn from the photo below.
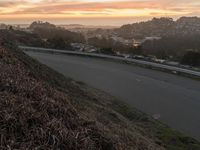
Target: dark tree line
(191, 58)
(175, 46)
(108, 44)
(58, 43)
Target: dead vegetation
(33, 115)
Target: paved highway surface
(141, 62)
(173, 99)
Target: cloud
(98, 8)
(60, 6)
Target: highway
(173, 99)
(176, 69)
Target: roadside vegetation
(191, 58)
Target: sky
(94, 12)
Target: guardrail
(172, 69)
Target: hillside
(23, 38)
(42, 34)
(164, 38)
(46, 30)
(41, 109)
(161, 27)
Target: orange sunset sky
(94, 12)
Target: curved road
(173, 99)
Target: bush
(58, 43)
(108, 51)
(191, 58)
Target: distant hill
(164, 37)
(161, 27)
(76, 26)
(46, 30)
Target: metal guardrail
(140, 62)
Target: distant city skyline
(94, 12)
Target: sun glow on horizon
(63, 9)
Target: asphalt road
(175, 100)
(131, 60)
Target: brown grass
(36, 116)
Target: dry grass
(33, 115)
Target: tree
(137, 50)
(191, 58)
(40, 24)
(58, 43)
(11, 28)
(108, 51)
